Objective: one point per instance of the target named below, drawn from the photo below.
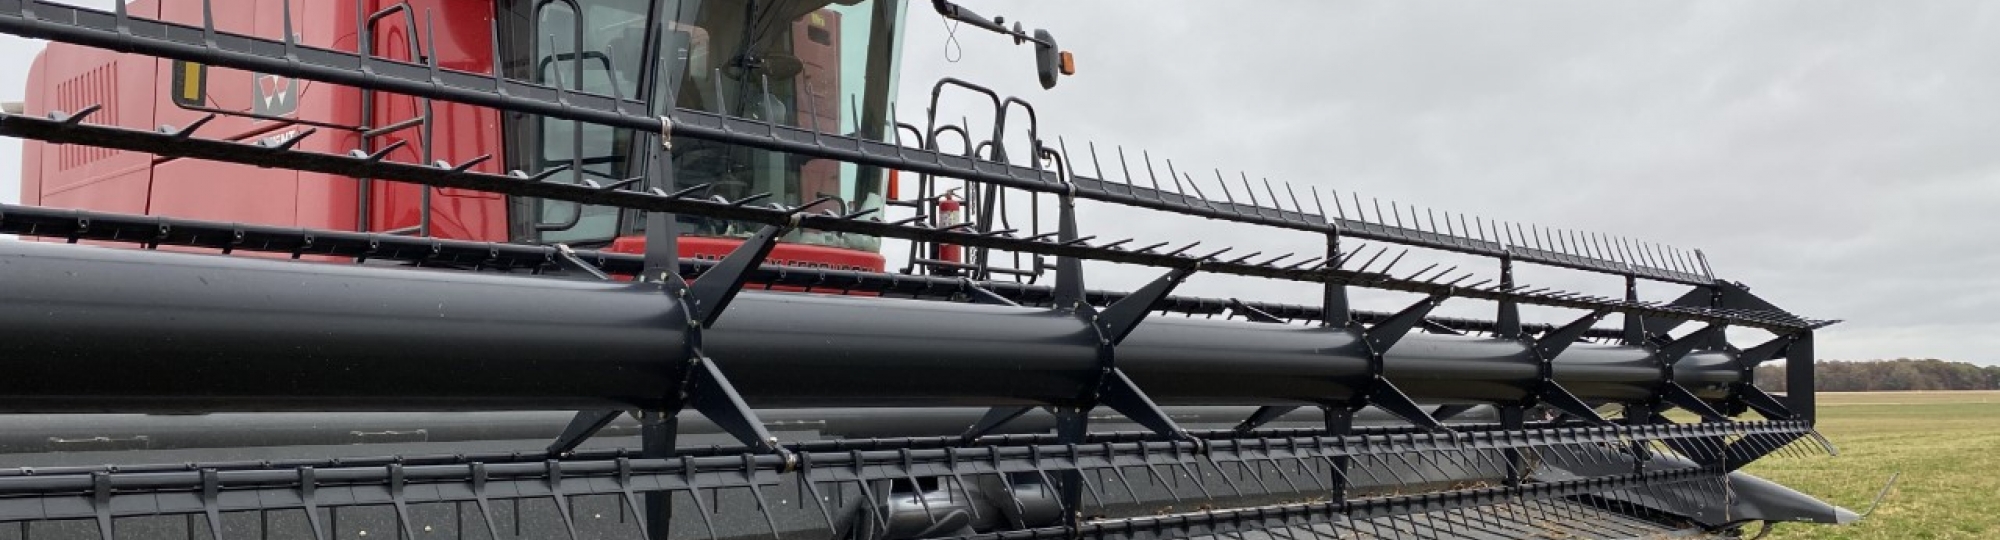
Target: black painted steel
(842, 430)
(1356, 514)
(144, 491)
(271, 335)
(168, 144)
(155, 231)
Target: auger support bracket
(701, 383)
(1671, 392)
(1545, 350)
(1377, 390)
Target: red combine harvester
(566, 268)
(826, 67)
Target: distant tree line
(1882, 375)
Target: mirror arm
(956, 13)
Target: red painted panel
(229, 192)
(70, 78)
(225, 192)
(122, 192)
(227, 89)
(323, 200)
(461, 34)
(326, 201)
(31, 150)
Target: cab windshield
(818, 65)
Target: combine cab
(819, 66)
(612, 269)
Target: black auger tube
(87, 329)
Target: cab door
(588, 46)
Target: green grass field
(1945, 444)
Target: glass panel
(815, 65)
(591, 57)
(810, 64)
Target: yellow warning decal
(190, 84)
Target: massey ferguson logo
(277, 95)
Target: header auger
(731, 358)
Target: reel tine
(1294, 194)
(1220, 184)
(957, 480)
(1821, 445)
(688, 473)
(1189, 472)
(1405, 456)
(1276, 202)
(1198, 193)
(1247, 190)
(1578, 455)
(1158, 194)
(1177, 251)
(757, 493)
(1759, 443)
(1367, 463)
(1007, 483)
(1221, 474)
(1099, 166)
(1152, 470)
(1785, 446)
(1347, 257)
(1085, 477)
(1801, 449)
(1305, 467)
(188, 131)
(1441, 274)
(810, 488)
(1413, 276)
(1238, 260)
(1279, 469)
(1125, 481)
(1246, 468)
(1392, 263)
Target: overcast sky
(1838, 157)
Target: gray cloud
(1831, 154)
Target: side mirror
(1051, 63)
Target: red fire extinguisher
(950, 212)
